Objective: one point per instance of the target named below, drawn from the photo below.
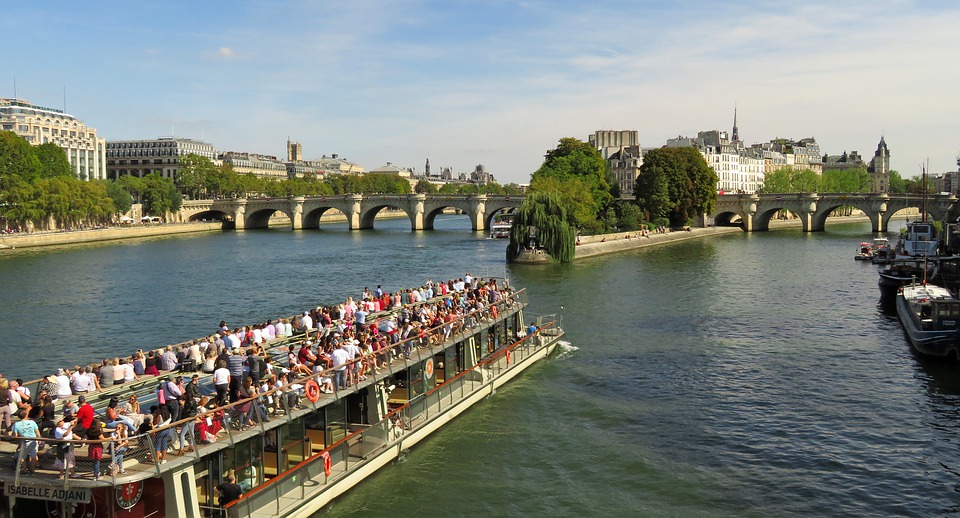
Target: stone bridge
(756, 210)
(359, 210)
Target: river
(740, 375)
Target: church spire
(735, 137)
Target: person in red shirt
(84, 414)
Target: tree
(543, 215)
(53, 161)
(676, 183)
(160, 195)
(897, 184)
(121, 198)
(575, 159)
(18, 158)
(631, 217)
(425, 187)
(512, 189)
(193, 175)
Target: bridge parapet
(360, 210)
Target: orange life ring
(493, 309)
(508, 356)
(312, 389)
(327, 464)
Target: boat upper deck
(225, 424)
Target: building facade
(621, 149)
(261, 166)
(85, 151)
(738, 169)
(161, 155)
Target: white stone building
(142, 157)
(39, 125)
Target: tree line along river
(739, 375)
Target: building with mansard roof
(160, 155)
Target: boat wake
(565, 348)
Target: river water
(739, 375)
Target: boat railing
(314, 474)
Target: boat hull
(931, 342)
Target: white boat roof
(928, 291)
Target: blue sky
(494, 82)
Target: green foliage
(845, 180)
(121, 198)
(18, 158)
(916, 185)
(575, 161)
(512, 189)
(159, 196)
(53, 161)
(675, 183)
(786, 180)
(897, 184)
(630, 217)
(543, 214)
(368, 184)
(193, 175)
(425, 187)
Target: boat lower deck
(307, 487)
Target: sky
(494, 82)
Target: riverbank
(75, 237)
(611, 243)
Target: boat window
(417, 385)
(452, 361)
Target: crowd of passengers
(345, 342)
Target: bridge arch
(491, 214)
(211, 214)
(728, 219)
(431, 214)
(369, 215)
(260, 218)
(312, 218)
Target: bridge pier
(415, 211)
(239, 215)
(478, 212)
(296, 212)
(353, 215)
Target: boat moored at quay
(294, 448)
(931, 318)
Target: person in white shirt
(307, 321)
(81, 382)
(279, 331)
(63, 385)
(340, 359)
(128, 372)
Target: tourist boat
(500, 228)
(312, 447)
(931, 318)
(883, 253)
(864, 252)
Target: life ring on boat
(312, 389)
(327, 464)
(508, 356)
(493, 309)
